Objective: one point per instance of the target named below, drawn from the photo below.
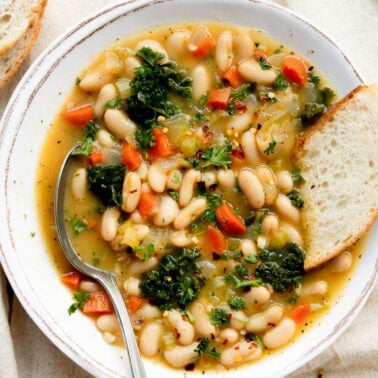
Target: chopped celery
(124, 87)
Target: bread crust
(33, 30)
(298, 152)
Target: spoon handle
(110, 285)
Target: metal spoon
(106, 279)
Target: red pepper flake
(240, 106)
(185, 317)
(225, 341)
(271, 324)
(237, 347)
(178, 334)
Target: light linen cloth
(352, 24)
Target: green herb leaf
(203, 348)
(251, 259)
(280, 83)
(296, 176)
(294, 299)
(314, 79)
(144, 253)
(264, 64)
(173, 194)
(87, 143)
(295, 198)
(219, 317)
(115, 103)
(237, 303)
(79, 225)
(271, 147)
(80, 298)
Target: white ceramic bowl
(23, 129)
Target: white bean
(226, 178)
(248, 247)
(107, 323)
(209, 178)
(167, 212)
(269, 224)
(280, 335)
(292, 233)
(240, 122)
(250, 149)
(341, 263)
(286, 209)
(190, 213)
(155, 46)
(174, 179)
(104, 138)
(130, 65)
(243, 46)
(261, 321)
(131, 286)
(109, 223)
(250, 70)
(136, 217)
(131, 191)
(200, 81)
(157, 178)
(181, 356)
(317, 288)
(139, 267)
(268, 181)
(202, 324)
(184, 330)
(180, 239)
(79, 184)
(257, 295)
(94, 81)
(119, 123)
(108, 92)
(142, 171)
(284, 182)
(89, 286)
(149, 338)
(251, 187)
(150, 311)
(142, 231)
(238, 319)
(177, 42)
(223, 51)
(240, 353)
(228, 336)
(187, 186)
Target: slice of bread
(11, 60)
(338, 160)
(16, 16)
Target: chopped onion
(207, 268)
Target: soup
(184, 188)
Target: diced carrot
(204, 47)
(218, 98)
(300, 313)
(79, 115)
(232, 77)
(259, 54)
(228, 220)
(294, 69)
(146, 203)
(162, 146)
(131, 157)
(71, 279)
(91, 223)
(215, 239)
(98, 303)
(134, 303)
(95, 157)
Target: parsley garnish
(241, 270)
(295, 198)
(144, 253)
(238, 94)
(115, 103)
(89, 136)
(203, 348)
(314, 79)
(213, 156)
(271, 147)
(78, 225)
(264, 64)
(173, 194)
(251, 259)
(280, 83)
(202, 100)
(296, 176)
(80, 298)
(237, 303)
(77, 80)
(219, 317)
(240, 283)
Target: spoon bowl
(106, 279)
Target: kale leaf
(219, 316)
(89, 136)
(295, 198)
(282, 268)
(176, 282)
(106, 182)
(203, 348)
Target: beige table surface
(352, 24)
